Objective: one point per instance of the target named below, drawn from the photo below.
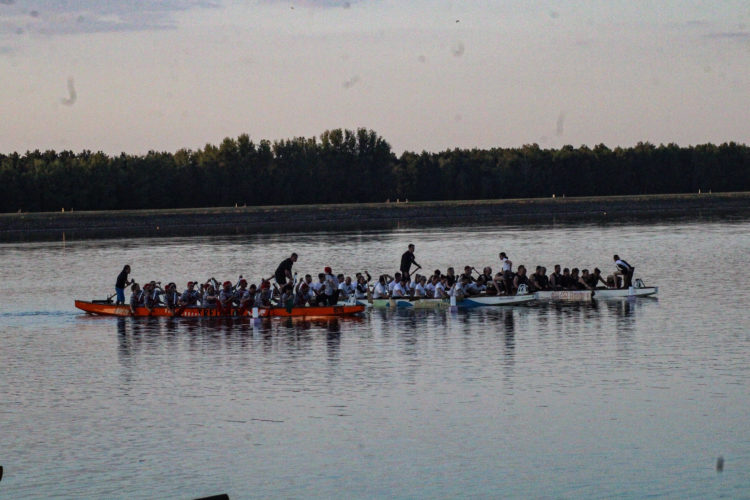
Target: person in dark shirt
(284, 271)
(625, 270)
(121, 283)
(407, 259)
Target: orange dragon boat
(106, 308)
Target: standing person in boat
(407, 259)
(331, 287)
(625, 270)
(284, 271)
(507, 269)
(122, 283)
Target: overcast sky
(132, 76)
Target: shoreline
(51, 226)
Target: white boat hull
(564, 295)
(465, 303)
(613, 293)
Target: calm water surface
(617, 398)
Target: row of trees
(356, 166)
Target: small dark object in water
(1, 472)
(223, 496)
(720, 464)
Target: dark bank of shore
(244, 220)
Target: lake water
(626, 398)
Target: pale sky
(138, 75)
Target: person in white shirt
(429, 287)
(419, 289)
(381, 289)
(507, 269)
(391, 284)
(319, 290)
(331, 287)
(440, 291)
(346, 288)
(400, 289)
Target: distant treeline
(345, 166)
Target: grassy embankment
(239, 220)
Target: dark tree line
(356, 166)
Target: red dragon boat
(106, 308)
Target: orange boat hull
(108, 309)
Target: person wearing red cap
(226, 298)
(331, 287)
(265, 293)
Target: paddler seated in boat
(248, 299)
(520, 278)
(420, 292)
(400, 289)
(171, 297)
(392, 282)
(584, 280)
(625, 270)
(137, 297)
(469, 287)
(263, 297)
(468, 274)
(544, 279)
(239, 291)
(555, 279)
(486, 277)
(226, 298)
(286, 295)
(566, 282)
(303, 293)
(190, 296)
(597, 278)
(441, 288)
(362, 286)
(210, 297)
(575, 279)
(153, 295)
(318, 289)
(241, 295)
(538, 280)
(346, 288)
(429, 286)
(380, 291)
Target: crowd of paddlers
(285, 289)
